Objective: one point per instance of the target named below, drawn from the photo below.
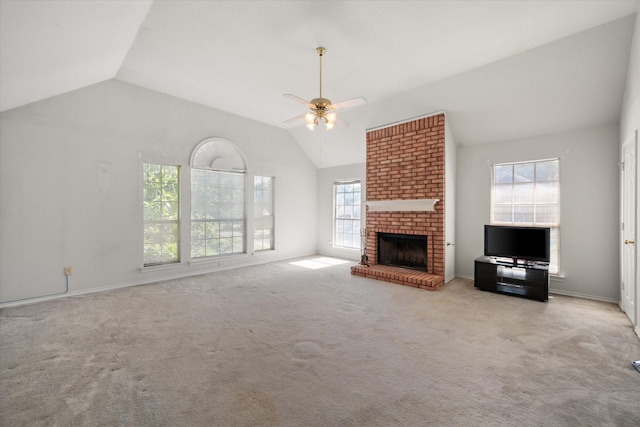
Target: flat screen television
(519, 243)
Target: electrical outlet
(68, 271)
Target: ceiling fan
(322, 108)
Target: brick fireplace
(406, 170)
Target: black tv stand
(523, 279)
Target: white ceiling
(500, 69)
(52, 47)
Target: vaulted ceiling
(501, 70)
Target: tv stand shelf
(527, 280)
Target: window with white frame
(161, 200)
(346, 216)
(217, 213)
(263, 236)
(528, 194)
(218, 199)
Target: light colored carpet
(284, 345)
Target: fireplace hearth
(403, 250)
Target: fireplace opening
(403, 250)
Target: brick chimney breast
(406, 162)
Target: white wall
(450, 203)
(589, 185)
(630, 116)
(326, 178)
(71, 186)
(630, 123)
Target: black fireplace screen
(403, 250)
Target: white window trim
(557, 225)
(160, 160)
(273, 214)
(334, 218)
(219, 155)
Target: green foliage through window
(161, 200)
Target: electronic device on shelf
(515, 261)
(517, 245)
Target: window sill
(221, 260)
(346, 249)
(263, 252)
(160, 267)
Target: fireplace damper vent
(403, 250)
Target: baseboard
(229, 267)
(350, 254)
(181, 275)
(583, 296)
(565, 293)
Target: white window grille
(161, 200)
(263, 200)
(347, 207)
(218, 199)
(528, 194)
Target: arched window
(218, 198)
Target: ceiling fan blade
(342, 123)
(294, 119)
(349, 103)
(298, 99)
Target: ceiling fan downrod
(320, 103)
(321, 51)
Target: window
(263, 212)
(217, 213)
(161, 200)
(347, 214)
(528, 194)
(218, 218)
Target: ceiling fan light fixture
(322, 108)
(312, 120)
(330, 120)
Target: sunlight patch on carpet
(320, 262)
